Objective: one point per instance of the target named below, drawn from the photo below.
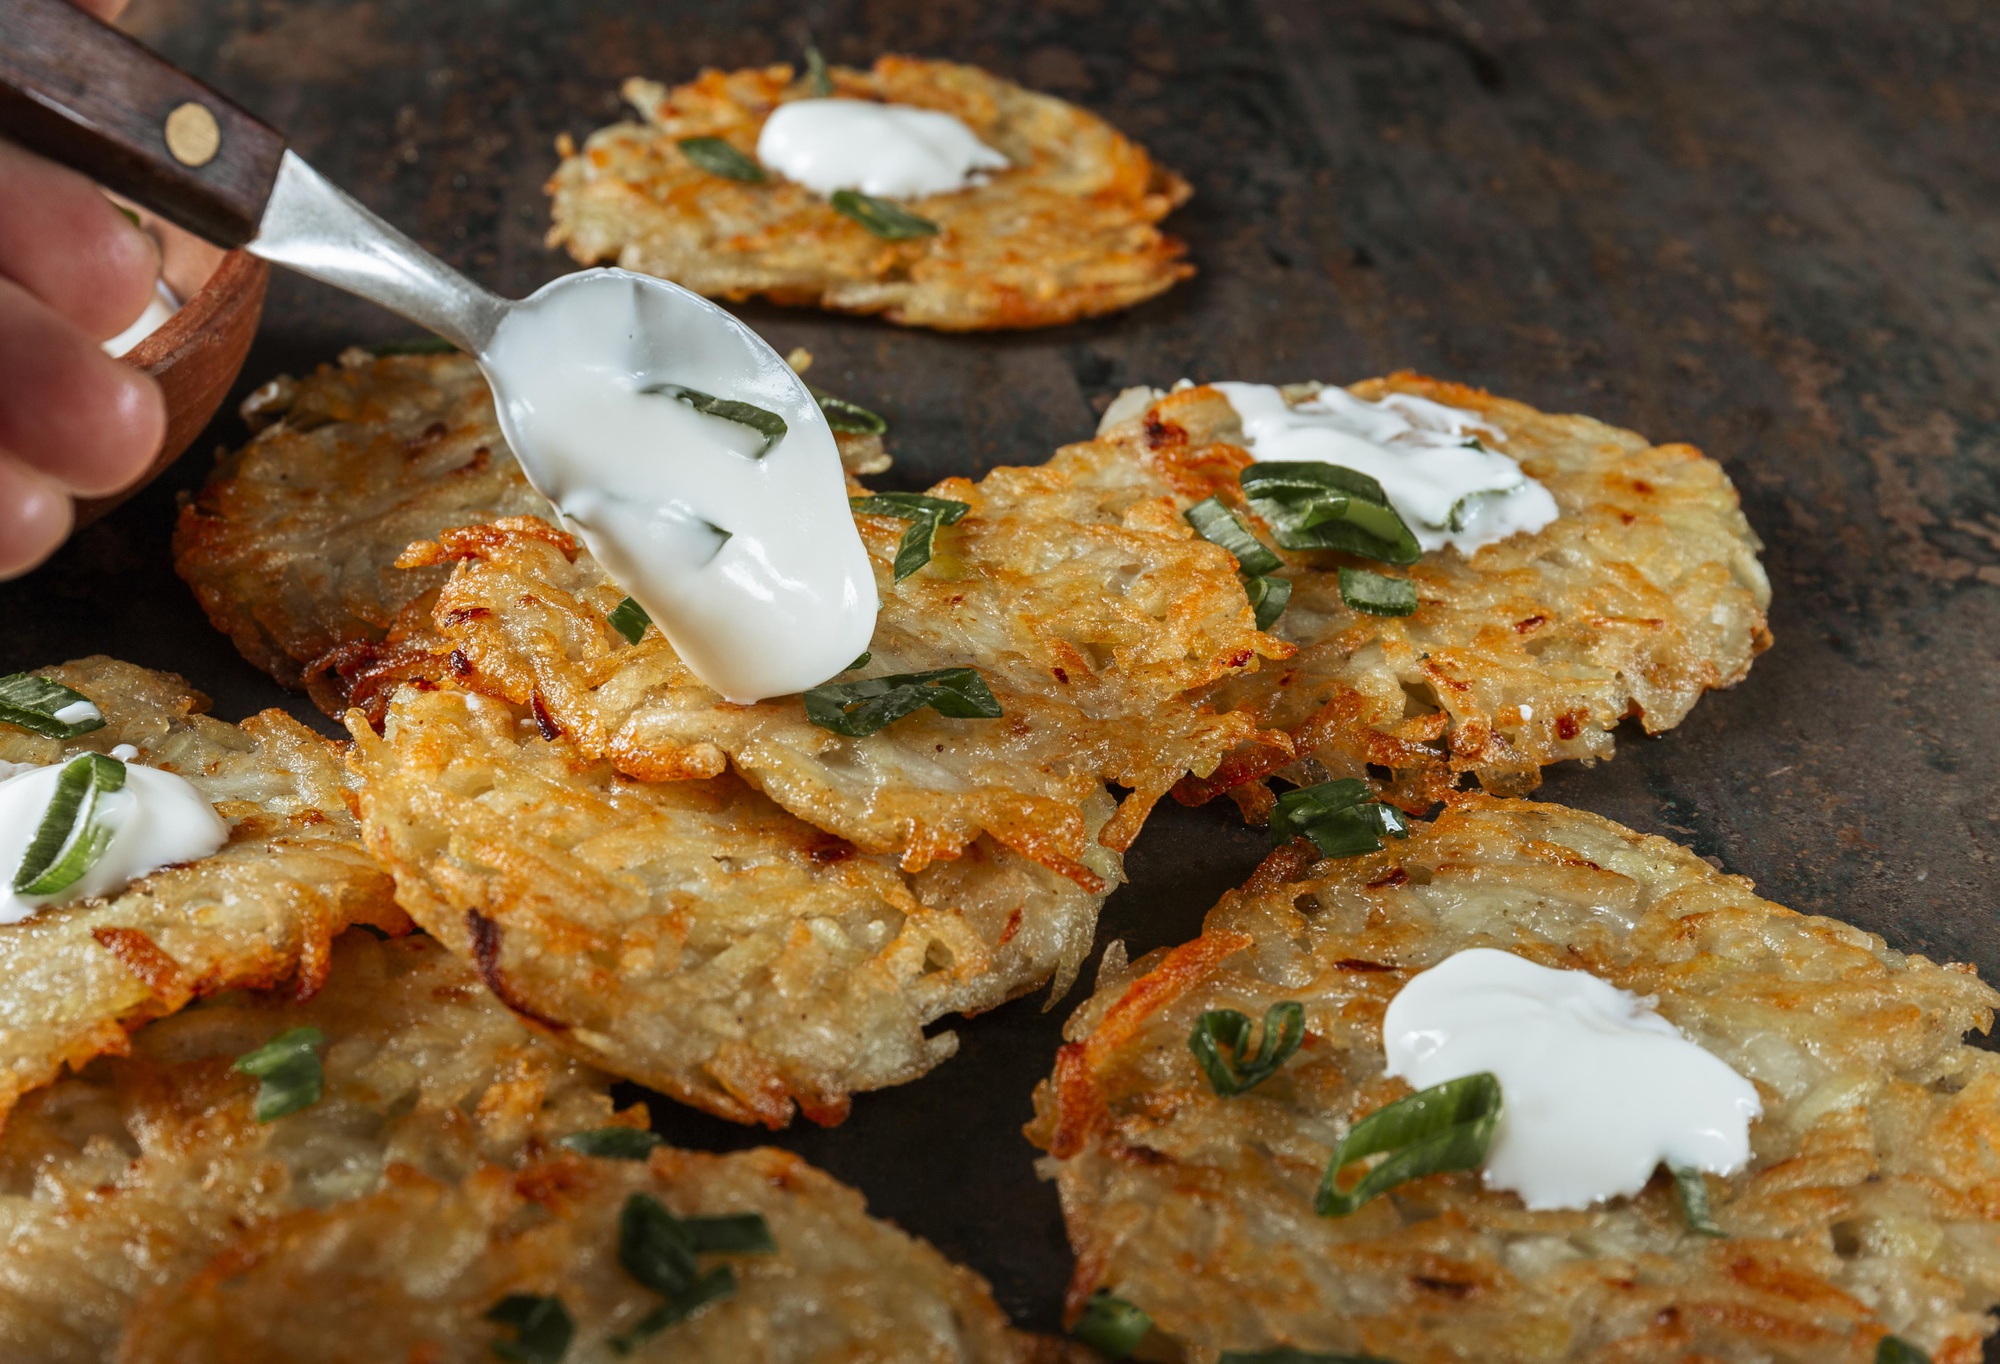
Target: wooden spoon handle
(80, 92)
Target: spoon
(690, 458)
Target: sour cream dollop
(159, 308)
(750, 563)
(892, 151)
(157, 820)
(1596, 1088)
(1448, 491)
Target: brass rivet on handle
(193, 136)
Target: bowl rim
(235, 274)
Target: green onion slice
(714, 1286)
(925, 515)
(1376, 594)
(860, 708)
(29, 702)
(613, 1143)
(542, 1328)
(764, 422)
(415, 345)
(658, 1249)
(819, 82)
(850, 419)
(1445, 1127)
(1111, 1326)
(717, 157)
(860, 662)
(1218, 525)
(891, 222)
(736, 1233)
(1341, 817)
(1693, 1190)
(1269, 596)
(629, 619)
(1242, 1068)
(1895, 1350)
(70, 840)
(1310, 505)
(289, 1069)
(1285, 1354)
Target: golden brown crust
(75, 978)
(1066, 232)
(1872, 1204)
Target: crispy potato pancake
(692, 935)
(1644, 593)
(261, 911)
(1871, 1206)
(291, 545)
(135, 1172)
(409, 1274)
(1066, 232)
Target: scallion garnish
(542, 1328)
(819, 81)
(717, 157)
(29, 702)
(1218, 525)
(1693, 1189)
(1310, 505)
(1445, 1127)
(658, 1249)
(850, 419)
(415, 345)
(1269, 596)
(860, 708)
(860, 662)
(1242, 1068)
(629, 619)
(613, 1143)
(1111, 1326)
(1895, 1350)
(925, 515)
(1342, 818)
(70, 838)
(1285, 1354)
(1376, 594)
(289, 1071)
(764, 422)
(891, 222)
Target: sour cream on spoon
(892, 151)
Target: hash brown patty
(1066, 232)
(1871, 1205)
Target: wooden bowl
(197, 353)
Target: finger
(69, 246)
(35, 518)
(67, 408)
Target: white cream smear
(1447, 491)
(892, 151)
(157, 820)
(159, 308)
(1596, 1088)
(750, 564)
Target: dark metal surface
(1766, 228)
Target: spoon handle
(80, 92)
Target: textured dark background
(1765, 228)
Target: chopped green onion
(1445, 1127)
(850, 419)
(1341, 818)
(416, 345)
(542, 1328)
(860, 708)
(1694, 1200)
(654, 1245)
(891, 222)
(714, 1286)
(1894, 1350)
(717, 157)
(29, 702)
(613, 1143)
(288, 1067)
(819, 82)
(70, 840)
(1111, 1326)
(764, 422)
(1218, 525)
(925, 515)
(736, 1233)
(1242, 1069)
(860, 662)
(1269, 596)
(1285, 1354)
(629, 619)
(129, 214)
(658, 1249)
(1311, 505)
(1376, 594)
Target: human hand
(74, 422)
